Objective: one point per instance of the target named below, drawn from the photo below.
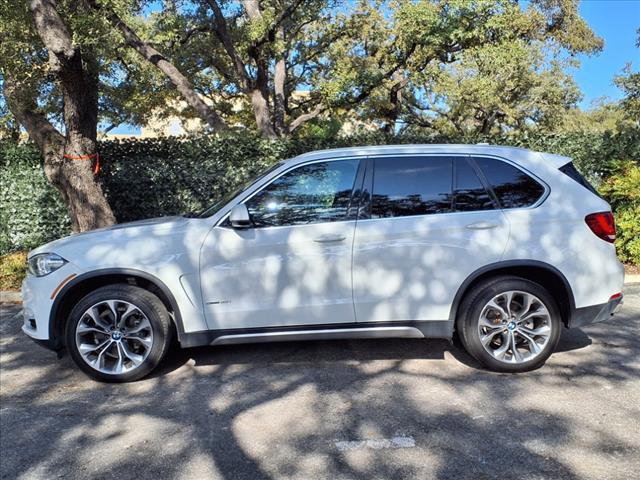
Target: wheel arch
(87, 282)
(541, 273)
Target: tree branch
(22, 105)
(188, 34)
(182, 84)
(305, 117)
(222, 32)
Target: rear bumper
(594, 313)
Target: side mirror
(239, 216)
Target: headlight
(45, 263)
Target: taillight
(603, 225)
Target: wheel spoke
(485, 322)
(494, 306)
(542, 331)
(144, 324)
(488, 338)
(134, 357)
(146, 342)
(86, 348)
(516, 355)
(541, 311)
(95, 316)
(526, 306)
(120, 362)
(533, 346)
(122, 317)
(82, 328)
(509, 296)
(114, 311)
(501, 351)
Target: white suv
(499, 246)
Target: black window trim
(483, 179)
(223, 223)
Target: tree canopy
(69, 68)
(276, 65)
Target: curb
(10, 297)
(631, 279)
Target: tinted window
(318, 192)
(512, 186)
(570, 170)
(405, 186)
(469, 193)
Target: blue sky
(616, 21)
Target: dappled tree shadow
(277, 411)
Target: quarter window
(513, 187)
(318, 192)
(404, 186)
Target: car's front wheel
(509, 324)
(118, 333)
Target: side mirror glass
(239, 216)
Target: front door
(293, 266)
(430, 224)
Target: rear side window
(469, 193)
(512, 187)
(570, 170)
(404, 186)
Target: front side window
(314, 193)
(513, 187)
(404, 186)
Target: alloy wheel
(114, 336)
(515, 327)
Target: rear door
(429, 223)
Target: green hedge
(165, 176)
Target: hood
(151, 226)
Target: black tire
(150, 305)
(473, 305)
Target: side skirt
(400, 329)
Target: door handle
(481, 226)
(329, 238)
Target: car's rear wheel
(118, 333)
(509, 324)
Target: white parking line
(376, 443)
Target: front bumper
(38, 295)
(595, 313)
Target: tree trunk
(261, 113)
(88, 208)
(279, 80)
(395, 104)
(74, 180)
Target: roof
(517, 154)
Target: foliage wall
(166, 176)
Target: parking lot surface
(342, 409)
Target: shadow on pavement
(277, 411)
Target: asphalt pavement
(370, 409)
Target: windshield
(230, 196)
